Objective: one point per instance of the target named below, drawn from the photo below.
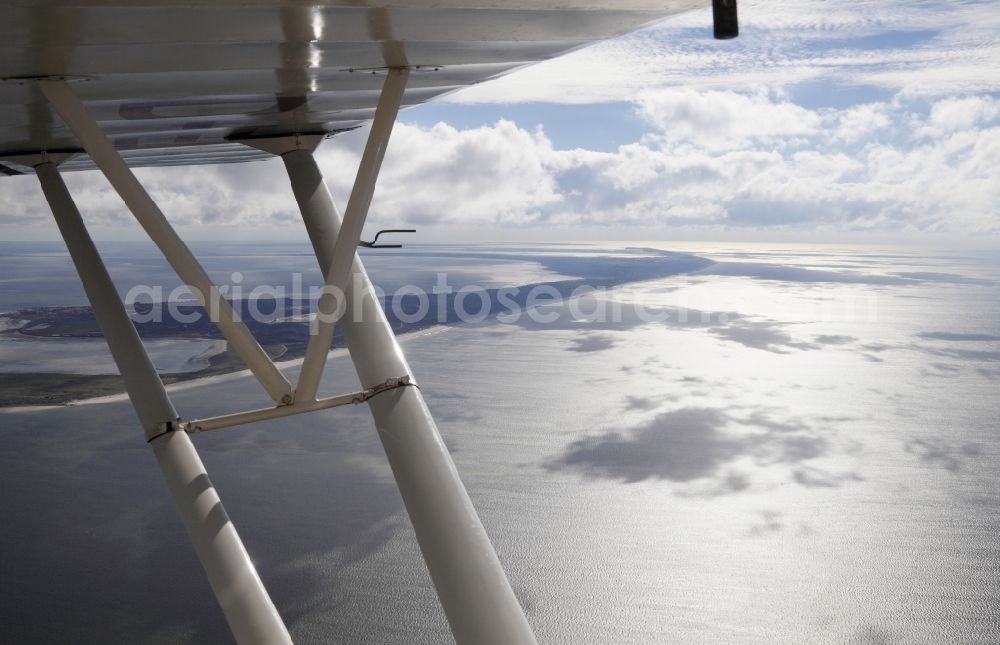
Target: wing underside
(172, 83)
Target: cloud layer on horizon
(713, 159)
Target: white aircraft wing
(170, 83)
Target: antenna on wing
(373, 245)
(724, 18)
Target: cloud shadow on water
(592, 343)
(763, 335)
(689, 444)
(945, 455)
(782, 273)
(945, 335)
(813, 477)
(942, 278)
(619, 316)
(642, 403)
(834, 339)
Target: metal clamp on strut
(167, 427)
(390, 384)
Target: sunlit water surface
(802, 449)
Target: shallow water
(807, 454)
(91, 355)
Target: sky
(872, 120)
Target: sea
(718, 443)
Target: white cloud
(910, 46)
(242, 199)
(956, 114)
(862, 121)
(728, 119)
(481, 174)
(767, 163)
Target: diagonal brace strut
(120, 176)
(339, 269)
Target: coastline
(288, 340)
(188, 380)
